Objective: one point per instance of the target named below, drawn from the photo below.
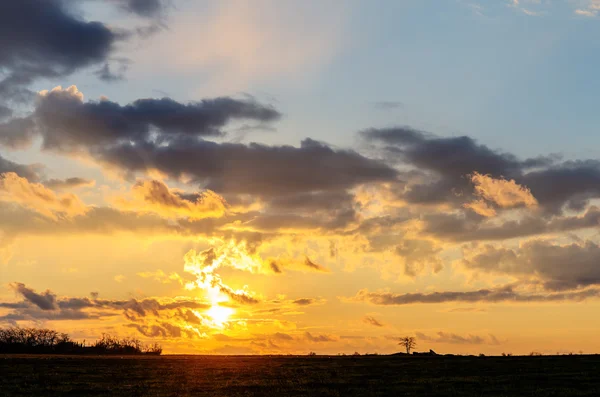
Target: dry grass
(299, 376)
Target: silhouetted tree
(408, 342)
(45, 341)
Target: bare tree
(408, 342)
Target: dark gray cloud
(327, 210)
(455, 339)
(145, 8)
(107, 73)
(251, 169)
(17, 133)
(42, 38)
(5, 112)
(312, 201)
(47, 306)
(452, 157)
(45, 301)
(461, 227)
(571, 183)
(66, 123)
(35, 314)
(449, 160)
(502, 294)
(31, 172)
(558, 266)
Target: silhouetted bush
(18, 340)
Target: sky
(281, 177)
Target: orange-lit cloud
(156, 197)
(37, 197)
(501, 192)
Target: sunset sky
(274, 177)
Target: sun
(219, 314)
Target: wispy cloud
(451, 338)
(524, 6)
(591, 9)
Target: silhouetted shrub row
(47, 341)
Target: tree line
(17, 340)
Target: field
(299, 376)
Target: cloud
(204, 265)
(166, 136)
(45, 300)
(17, 133)
(261, 170)
(239, 296)
(578, 181)
(5, 112)
(30, 172)
(47, 41)
(417, 255)
(319, 338)
(586, 13)
(448, 167)
(519, 5)
(145, 8)
(304, 301)
(275, 267)
(450, 338)
(47, 306)
(155, 196)
(162, 277)
(68, 124)
(558, 266)
(372, 321)
(501, 294)
(35, 196)
(461, 228)
(501, 192)
(591, 9)
(449, 160)
(481, 207)
(310, 264)
(69, 183)
(163, 330)
(106, 73)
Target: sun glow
(204, 266)
(219, 314)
